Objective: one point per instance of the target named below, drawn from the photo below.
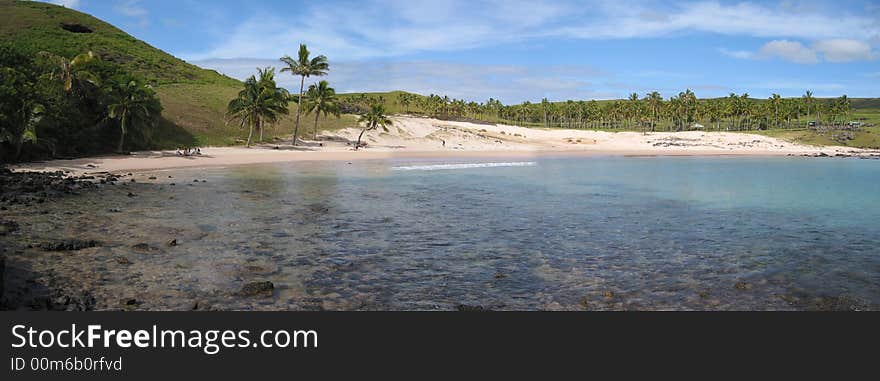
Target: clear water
(542, 233)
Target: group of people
(189, 151)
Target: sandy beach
(417, 137)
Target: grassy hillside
(194, 99)
(40, 26)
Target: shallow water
(543, 233)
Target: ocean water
(593, 233)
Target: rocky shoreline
(25, 189)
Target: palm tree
(20, 109)
(808, 102)
(321, 98)
(404, 100)
(277, 96)
(843, 106)
(776, 101)
(654, 100)
(688, 104)
(72, 72)
(304, 67)
(373, 119)
(259, 102)
(132, 104)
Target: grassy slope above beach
(194, 99)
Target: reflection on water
(576, 233)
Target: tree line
(649, 112)
(54, 106)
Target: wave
(436, 167)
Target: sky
(516, 50)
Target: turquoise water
(544, 233)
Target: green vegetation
(261, 102)
(321, 98)
(52, 106)
(304, 67)
(373, 119)
(193, 99)
(809, 120)
(132, 105)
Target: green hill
(194, 99)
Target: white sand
(424, 137)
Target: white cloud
(65, 3)
(510, 83)
(742, 54)
(843, 50)
(831, 50)
(382, 28)
(131, 8)
(789, 50)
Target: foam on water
(435, 167)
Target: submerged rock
(742, 286)
(264, 288)
(472, 308)
(143, 247)
(837, 303)
(69, 245)
(7, 227)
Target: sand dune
(426, 137)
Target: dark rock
(585, 303)
(742, 286)
(2, 271)
(143, 247)
(69, 245)
(172, 242)
(837, 303)
(471, 308)
(257, 288)
(114, 210)
(131, 194)
(152, 177)
(7, 227)
(28, 187)
(77, 28)
(500, 275)
(122, 260)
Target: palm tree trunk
(316, 125)
(122, 134)
(358, 144)
(250, 135)
(18, 143)
(261, 133)
(302, 83)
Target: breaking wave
(436, 167)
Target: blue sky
(525, 50)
